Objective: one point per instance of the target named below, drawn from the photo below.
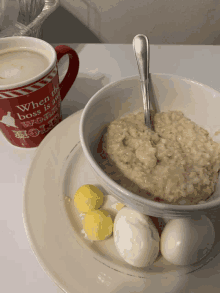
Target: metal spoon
(142, 51)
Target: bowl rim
(125, 193)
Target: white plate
(74, 264)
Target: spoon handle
(141, 48)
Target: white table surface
(99, 65)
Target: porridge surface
(177, 164)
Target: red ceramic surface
(28, 113)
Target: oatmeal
(177, 164)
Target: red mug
(30, 93)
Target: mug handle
(73, 68)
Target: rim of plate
(26, 221)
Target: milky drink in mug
(30, 93)
(19, 65)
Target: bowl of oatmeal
(172, 171)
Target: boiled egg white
(186, 241)
(136, 238)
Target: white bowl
(198, 102)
